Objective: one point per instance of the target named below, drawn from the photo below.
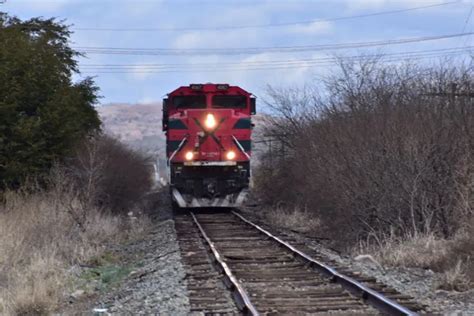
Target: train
(208, 130)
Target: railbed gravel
(158, 286)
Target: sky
(140, 50)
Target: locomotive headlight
(210, 121)
(230, 155)
(189, 155)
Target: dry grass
(452, 258)
(41, 236)
(295, 219)
(456, 278)
(421, 251)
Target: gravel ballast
(158, 286)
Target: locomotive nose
(208, 144)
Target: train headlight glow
(210, 121)
(230, 155)
(189, 155)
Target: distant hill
(138, 125)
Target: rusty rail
(372, 297)
(240, 295)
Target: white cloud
(276, 74)
(220, 18)
(314, 28)
(231, 38)
(188, 40)
(140, 72)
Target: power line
(277, 62)
(296, 64)
(237, 27)
(466, 24)
(467, 19)
(256, 50)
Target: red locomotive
(208, 143)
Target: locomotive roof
(209, 87)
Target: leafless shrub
(424, 251)
(455, 279)
(379, 150)
(451, 257)
(295, 219)
(110, 175)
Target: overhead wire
(288, 65)
(256, 50)
(274, 62)
(256, 65)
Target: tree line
(375, 149)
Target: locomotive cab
(208, 143)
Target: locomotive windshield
(229, 101)
(190, 102)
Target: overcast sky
(179, 26)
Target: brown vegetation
(110, 175)
(382, 151)
(295, 219)
(45, 231)
(452, 257)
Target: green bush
(43, 114)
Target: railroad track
(235, 266)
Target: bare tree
(110, 175)
(385, 148)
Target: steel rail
(368, 294)
(240, 295)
